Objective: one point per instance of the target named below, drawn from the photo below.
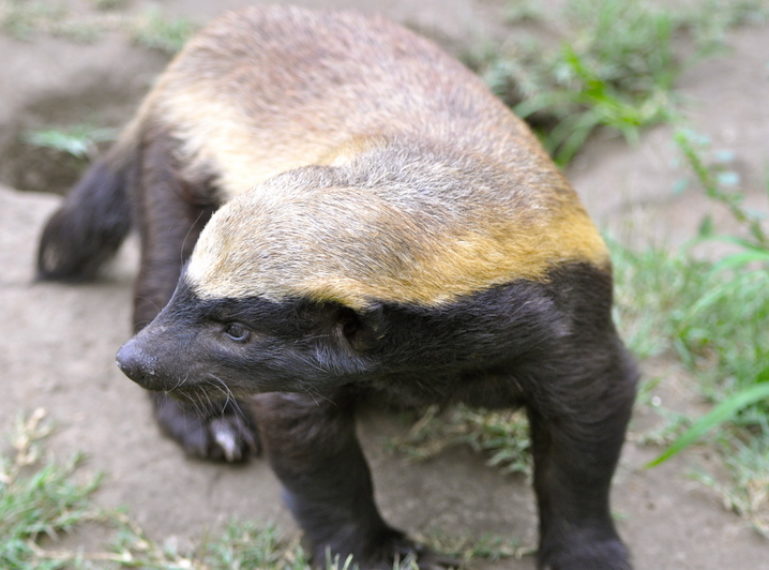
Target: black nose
(139, 366)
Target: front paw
(226, 433)
(410, 555)
(395, 551)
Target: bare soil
(58, 342)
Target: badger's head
(272, 298)
(249, 344)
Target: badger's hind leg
(170, 213)
(580, 394)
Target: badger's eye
(237, 332)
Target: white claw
(226, 439)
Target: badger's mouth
(207, 393)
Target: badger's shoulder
(399, 224)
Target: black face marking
(248, 345)
(256, 345)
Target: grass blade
(721, 413)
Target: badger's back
(267, 89)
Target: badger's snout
(140, 366)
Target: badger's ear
(362, 329)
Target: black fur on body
(530, 327)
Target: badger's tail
(88, 228)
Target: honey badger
(329, 206)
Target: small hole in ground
(38, 169)
(53, 139)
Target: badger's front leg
(314, 451)
(578, 417)
(170, 214)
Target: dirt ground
(58, 342)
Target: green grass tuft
(38, 498)
(712, 314)
(747, 493)
(245, 546)
(79, 141)
(503, 436)
(21, 19)
(616, 70)
(157, 31)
